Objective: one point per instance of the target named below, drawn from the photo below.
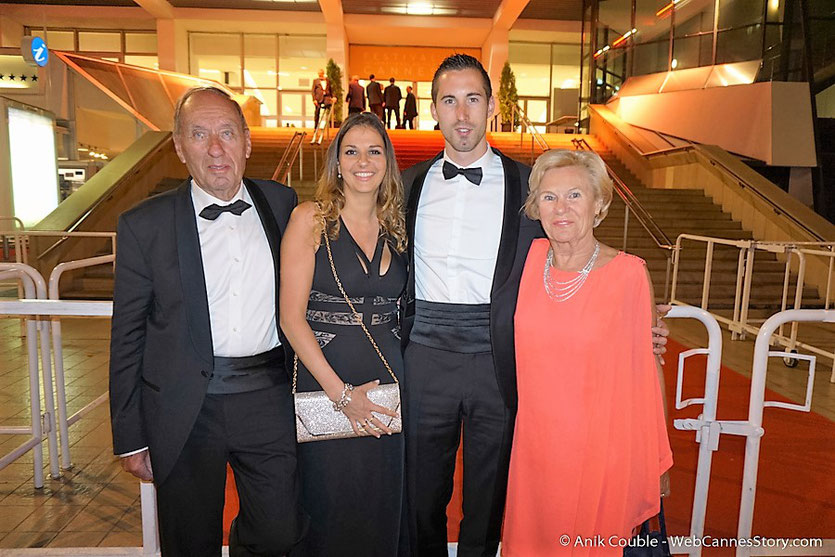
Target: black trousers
(447, 393)
(255, 433)
(377, 110)
(319, 107)
(409, 122)
(389, 110)
(354, 110)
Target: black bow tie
(214, 210)
(474, 175)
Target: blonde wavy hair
(589, 161)
(330, 196)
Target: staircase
(690, 211)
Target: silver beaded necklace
(562, 291)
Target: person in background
(356, 96)
(410, 109)
(392, 96)
(375, 97)
(322, 95)
(197, 377)
(352, 488)
(590, 447)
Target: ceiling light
(419, 8)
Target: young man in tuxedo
(468, 240)
(197, 376)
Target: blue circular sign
(39, 51)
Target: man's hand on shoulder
(139, 465)
(660, 332)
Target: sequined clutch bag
(316, 418)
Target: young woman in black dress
(352, 488)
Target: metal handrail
(282, 169)
(634, 206)
(323, 130)
(165, 142)
(535, 135)
(567, 118)
(632, 202)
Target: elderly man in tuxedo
(197, 376)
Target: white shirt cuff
(137, 451)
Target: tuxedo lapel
(510, 222)
(191, 274)
(270, 225)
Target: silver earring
(338, 173)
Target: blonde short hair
(589, 161)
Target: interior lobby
(715, 118)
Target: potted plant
(508, 98)
(334, 73)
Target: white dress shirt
(240, 277)
(457, 233)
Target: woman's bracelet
(344, 399)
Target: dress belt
(248, 373)
(463, 328)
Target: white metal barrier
(40, 327)
(706, 427)
(741, 323)
(58, 354)
(752, 428)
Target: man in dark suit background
(392, 99)
(197, 375)
(410, 109)
(356, 96)
(375, 97)
(322, 95)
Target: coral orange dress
(591, 441)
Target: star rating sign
(34, 78)
(11, 77)
(2, 76)
(23, 78)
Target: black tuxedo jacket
(410, 108)
(518, 231)
(161, 351)
(392, 96)
(356, 96)
(375, 93)
(322, 93)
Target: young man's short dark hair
(391, 80)
(371, 76)
(458, 62)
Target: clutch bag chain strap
(357, 316)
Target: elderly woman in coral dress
(590, 449)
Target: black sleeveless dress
(353, 488)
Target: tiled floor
(96, 504)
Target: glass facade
(637, 37)
(547, 78)
(278, 70)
